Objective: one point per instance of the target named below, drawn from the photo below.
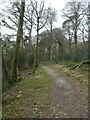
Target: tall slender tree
(39, 22)
(13, 77)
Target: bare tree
(29, 19)
(60, 41)
(10, 20)
(52, 13)
(75, 12)
(13, 76)
(67, 26)
(39, 22)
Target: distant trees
(52, 14)
(67, 29)
(74, 12)
(60, 42)
(58, 45)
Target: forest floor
(53, 92)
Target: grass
(28, 94)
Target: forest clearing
(44, 58)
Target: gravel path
(69, 98)
(47, 94)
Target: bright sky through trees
(57, 4)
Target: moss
(34, 89)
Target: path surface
(49, 93)
(69, 98)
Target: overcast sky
(57, 4)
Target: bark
(5, 74)
(60, 49)
(36, 48)
(88, 30)
(69, 43)
(13, 77)
(51, 43)
(75, 41)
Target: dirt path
(69, 98)
(47, 94)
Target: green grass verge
(26, 94)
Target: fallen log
(80, 64)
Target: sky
(57, 4)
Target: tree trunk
(51, 51)
(13, 76)
(88, 29)
(36, 49)
(69, 43)
(5, 75)
(75, 40)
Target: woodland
(31, 61)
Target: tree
(44, 46)
(52, 13)
(60, 41)
(75, 12)
(39, 22)
(88, 16)
(13, 76)
(67, 29)
(4, 70)
(10, 20)
(29, 21)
